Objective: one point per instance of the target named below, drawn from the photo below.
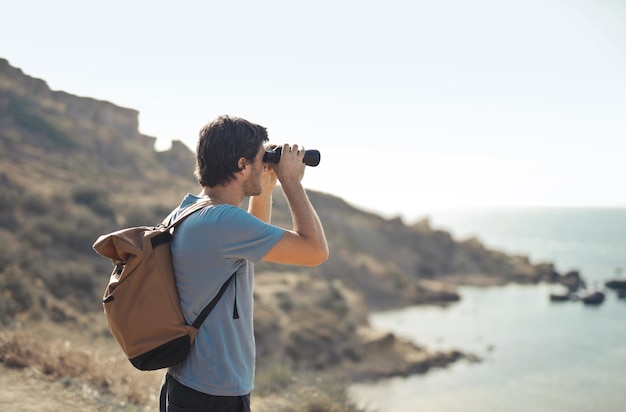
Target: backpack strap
(208, 308)
(167, 234)
(189, 210)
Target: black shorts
(176, 397)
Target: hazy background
(417, 106)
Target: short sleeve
(243, 235)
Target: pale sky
(416, 106)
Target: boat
(593, 298)
(563, 294)
(560, 297)
(616, 284)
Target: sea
(536, 355)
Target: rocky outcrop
(322, 326)
(106, 115)
(80, 133)
(122, 120)
(395, 265)
(12, 78)
(385, 355)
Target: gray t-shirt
(207, 248)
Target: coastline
(536, 354)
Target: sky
(416, 106)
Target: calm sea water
(537, 355)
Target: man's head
(222, 143)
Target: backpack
(141, 303)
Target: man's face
(253, 184)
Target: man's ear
(242, 163)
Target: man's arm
(306, 243)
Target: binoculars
(311, 157)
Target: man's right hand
(290, 167)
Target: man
(222, 239)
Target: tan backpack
(141, 303)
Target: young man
(222, 239)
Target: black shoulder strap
(208, 308)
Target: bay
(536, 355)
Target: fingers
(295, 149)
(291, 164)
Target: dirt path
(25, 391)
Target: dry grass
(91, 365)
(95, 367)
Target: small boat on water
(593, 298)
(616, 284)
(563, 293)
(559, 297)
(562, 296)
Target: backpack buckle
(118, 269)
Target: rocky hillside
(72, 168)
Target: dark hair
(221, 144)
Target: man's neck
(219, 195)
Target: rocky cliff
(14, 84)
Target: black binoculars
(311, 157)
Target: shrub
(34, 203)
(72, 281)
(38, 120)
(96, 198)
(16, 295)
(9, 199)
(9, 251)
(333, 300)
(285, 303)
